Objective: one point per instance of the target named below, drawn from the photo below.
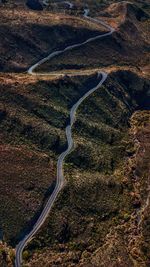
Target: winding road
(60, 175)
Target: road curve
(60, 176)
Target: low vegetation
(34, 114)
(101, 216)
(120, 49)
(27, 36)
(98, 195)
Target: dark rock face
(34, 4)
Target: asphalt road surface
(60, 175)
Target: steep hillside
(101, 217)
(26, 36)
(101, 198)
(32, 136)
(121, 48)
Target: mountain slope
(26, 36)
(120, 48)
(101, 216)
(101, 198)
